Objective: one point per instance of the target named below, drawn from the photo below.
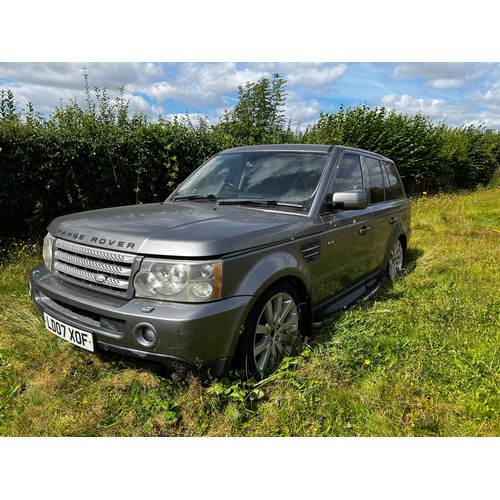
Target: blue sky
(437, 58)
(453, 92)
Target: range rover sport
(252, 249)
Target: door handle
(393, 220)
(364, 230)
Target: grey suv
(251, 250)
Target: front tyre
(271, 331)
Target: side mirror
(354, 199)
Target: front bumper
(196, 338)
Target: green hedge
(429, 157)
(80, 159)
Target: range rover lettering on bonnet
(94, 239)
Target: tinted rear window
(376, 180)
(394, 187)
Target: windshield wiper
(210, 197)
(267, 203)
(283, 204)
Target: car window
(393, 186)
(212, 176)
(284, 176)
(348, 174)
(271, 175)
(377, 193)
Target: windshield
(287, 177)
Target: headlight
(47, 251)
(179, 281)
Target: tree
(259, 115)
(8, 106)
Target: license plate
(81, 338)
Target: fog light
(146, 335)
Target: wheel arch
(397, 234)
(404, 242)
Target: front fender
(251, 276)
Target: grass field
(419, 359)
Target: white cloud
(484, 107)
(446, 83)
(218, 77)
(441, 75)
(216, 84)
(301, 111)
(138, 103)
(44, 99)
(435, 109)
(432, 70)
(191, 94)
(48, 85)
(71, 75)
(313, 75)
(58, 75)
(490, 98)
(480, 109)
(203, 84)
(116, 74)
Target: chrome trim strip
(96, 253)
(94, 278)
(92, 264)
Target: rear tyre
(395, 264)
(271, 332)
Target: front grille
(105, 270)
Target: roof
(317, 148)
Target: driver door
(347, 236)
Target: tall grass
(419, 359)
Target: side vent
(310, 251)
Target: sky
(191, 58)
(456, 93)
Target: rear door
(387, 202)
(381, 211)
